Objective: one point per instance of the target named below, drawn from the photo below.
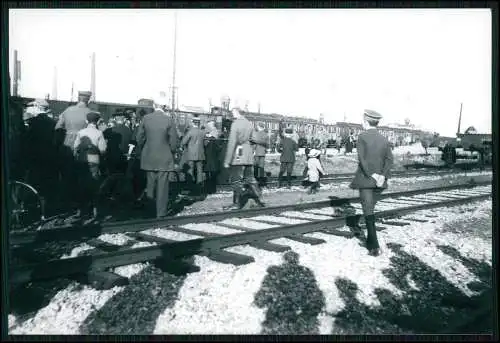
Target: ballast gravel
(330, 288)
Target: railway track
(209, 234)
(272, 181)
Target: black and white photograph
(244, 171)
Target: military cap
(93, 116)
(87, 94)
(372, 115)
(196, 120)
(289, 130)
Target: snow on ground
(116, 238)
(77, 250)
(167, 234)
(219, 299)
(211, 228)
(66, 311)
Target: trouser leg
(289, 171)
(162, 195)
(237, 181)
(150, 184)
(282, 171)
(368, 201)
(251, 182)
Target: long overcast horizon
(405, 63)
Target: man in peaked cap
(374, 165)
(72, 120)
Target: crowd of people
(80, 162)
(80, 159)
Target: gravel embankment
(297, 195)
(427, 276)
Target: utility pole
(17, 75)
(54, 85)
(92, 78)
(174, 61)
(459, 118)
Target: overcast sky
(416, 64)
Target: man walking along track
(157, 140)
(374, 164)
(240, 157)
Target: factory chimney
(92, 78)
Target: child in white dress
(314, 170)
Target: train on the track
(468, 145)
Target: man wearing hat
(288, 147)
(240, 157)
(42, 172)
(119, 137)
(73, 119)
(194, 151)
(88, 147)
(157, 140)
(374, 165)
(260, 140)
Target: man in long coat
(374, 164)
(157, 140)
(240, 157)
(72, 120)
(260, 140)
(288, 147)
(194, 151)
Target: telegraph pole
(459, 118)
(92, 78)
(174, 62)
(54, 85)
(16, 75)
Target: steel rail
(171, 251)
(347, 176)
(96, 229)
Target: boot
(352, 223)
(289, 181)
(371, 240)
(236, 201)
(256, 172)
(280, 180)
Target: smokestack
(54, 85)
(16, 75)
(460, 118)
(92, 78)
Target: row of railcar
(306, 128)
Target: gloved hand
(379, 179)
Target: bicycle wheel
(26, 207)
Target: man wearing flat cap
(194, 152)
(374, 165)
(157, 140)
